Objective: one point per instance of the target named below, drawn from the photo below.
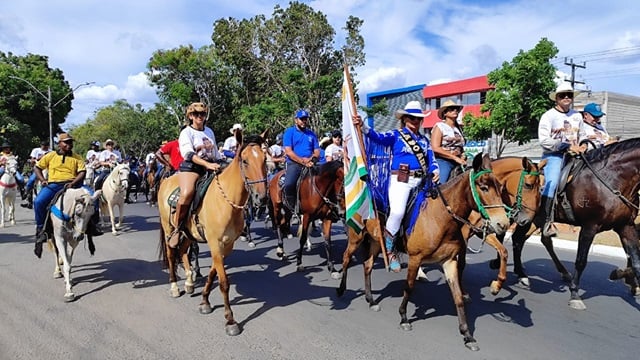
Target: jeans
(32, 181)
(445, 167)
(551, 174)
(291, 179)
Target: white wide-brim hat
(413, 108)
(565, 87)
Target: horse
(114, 191)
(134, 187)
(321, 197)
(8, 186)
(70, 215)
(90, 174)
(436, 236)
(152, 187)
(602, 195)
(218, 221)
(520, 179)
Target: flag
(358, 198)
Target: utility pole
(573, 71)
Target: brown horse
(602, 196)
(152, 187)
(218, 221)
(321, 197)
(520, 179)
(436, 236)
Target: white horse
(70, 216)
(114, 191)
(8, 190)
(90, 174)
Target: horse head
(520, 179)
(12, 166)
(80, 208)
(253, 167)
(487, 196)
(121, 176)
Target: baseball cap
(593, 109)
(302, 114)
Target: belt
(414, 173)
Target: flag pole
(358, 133)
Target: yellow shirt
(60, 171)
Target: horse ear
(239, 137)
(526, 164)
(477, 162)
(541, 164)
(264, 134)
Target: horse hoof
(406, 326)
(290, 236)
(466, 298)
(174, 293)
(188, 289)
(495, 287)
(242, 238)
(114, 233)
(57, 275)
(336, 275)
(472, 345)
(376, 308)
(524, 283)
(577, 304)
(69, 297)
(233, 329)
(421, 276)
(205, 309)
(300, 268)
(251, 244)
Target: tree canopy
(519, 99)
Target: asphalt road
(123, 309)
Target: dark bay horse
(520, 179)
(603, 195)
(321, 197)
(436, 236)
(150, 180)
(218, 221)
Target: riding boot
(41, 237)
(29, 203)
(290, 202)
(548, 229)
(178, 221)
(394, 264)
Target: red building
(471, 93)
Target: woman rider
(198, 148)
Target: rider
(406, 169)
(107, 159)
(66, 170)
(447, 140)
(275, 155)
(172, 150)
(302, 150)
(230, 145)
(4, 156)
(200, 153)
(35, 155)
(334, 150)
(556, 140)
(133, 168)
(592, 128)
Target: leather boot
(41, 237)
(178, 222)
(548, 229)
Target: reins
(247, 185)
(617, 193)
(333, 207)
(512, 212)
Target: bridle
(518, 206)
(246, 181)
(333, 206)
(119, 182)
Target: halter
(333, 207)
(245, 180)
(512, 212)
(117, 181)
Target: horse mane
(331, 167)
(252, 139)
(603, 153)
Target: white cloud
(407, 42)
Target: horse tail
(162, 250)
(92, 246)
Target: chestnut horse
(603, 195)
(437, 237)
(520, 179)
(218, 221)
(321, 197)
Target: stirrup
(175, 234)
(394, 264)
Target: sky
(407, 42)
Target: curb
(597, 249)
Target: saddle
(305, 173)
(572, 167)
(202, 184)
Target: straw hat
(64, 137)
(235, 127)
(447, 105)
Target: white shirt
(276, 150)
(333, 150)
(204, 141)
(37, 153)
(230, 144)
(556, 128)
(92, 155)
(108, 155)
(149, 158)
(598, 136)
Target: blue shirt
(402, 153)
(302, 142)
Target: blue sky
(408, 42)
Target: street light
(48, 98)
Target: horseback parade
(264, 173)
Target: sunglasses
(564, 95)
(198, 114)
(69, 142)
(303, 118)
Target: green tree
(24, 115)
(519, 99)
